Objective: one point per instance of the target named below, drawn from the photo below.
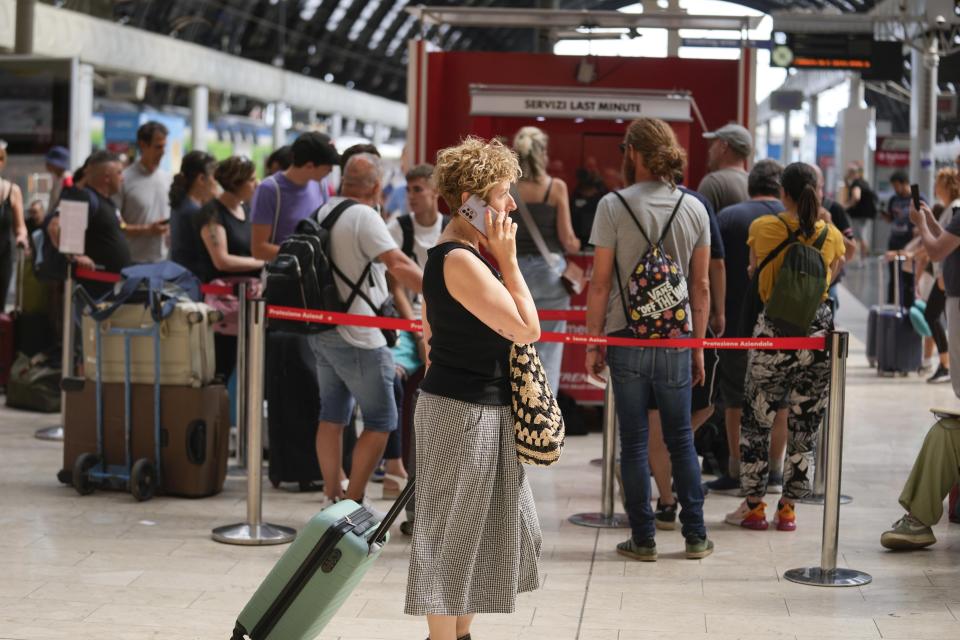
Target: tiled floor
(104, 566)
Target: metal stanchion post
(827, 574)
(607, 518)
(55, 433)
(820, 472)
(254, 531)
(242, 338)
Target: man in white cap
(726, 184)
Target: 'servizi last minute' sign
(577, 102)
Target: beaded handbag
(538, 423)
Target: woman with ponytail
(798, 378)
(192, 188)
(546, 201)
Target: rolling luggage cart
(91, 470)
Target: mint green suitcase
(317, 573)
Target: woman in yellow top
(797, 378)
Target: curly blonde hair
(530, 143)
(949, 179)
(473, 166)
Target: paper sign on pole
(73, 226)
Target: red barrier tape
(99, 276)
(106, 276)
(400, 324)
(570, 315)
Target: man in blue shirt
(763, 184)
(901, 233)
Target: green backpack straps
(799, 287)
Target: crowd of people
(747, 253)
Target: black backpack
(655, 301)
(406, 227)
(301, 276)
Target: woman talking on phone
(477, 537)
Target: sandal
(389, 493)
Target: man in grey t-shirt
(726, 184)
(354, 363)
(144, 201)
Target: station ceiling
(357, 43)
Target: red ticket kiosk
(453, 94)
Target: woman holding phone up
(477, 537)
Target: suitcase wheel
(81, 473)
(143, 480)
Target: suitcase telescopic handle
(897, 279)
(376, 540)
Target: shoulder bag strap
(790, 239)
(616, 266)
(276, 212)
(818, 245)
(673, 215)
(406, 228)
(334, 215)
(635, 221)
(532, 228)
(546, 194)
(355, 287)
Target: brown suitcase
(195, 429)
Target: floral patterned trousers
(797, 380)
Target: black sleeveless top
(469, 361)
(545, 217)
(238, 240)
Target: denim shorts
(347, 374)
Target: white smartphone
(475, 211)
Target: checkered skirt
(476, 537)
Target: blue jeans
(347, 374)
(548, 292)
(637, 373)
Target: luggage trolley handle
(378, 537)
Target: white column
(786, 151)
(336, 125)
(279, 133)
(199, 117)
(923, 115)
(81, 114)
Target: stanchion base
(817, 577)
(844, 499)
(247, 534)
(53, 434)
(596, 462)
(600, 521)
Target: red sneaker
(785, 518)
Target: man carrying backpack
(793, 257)
(355, 363)
(650, 280)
